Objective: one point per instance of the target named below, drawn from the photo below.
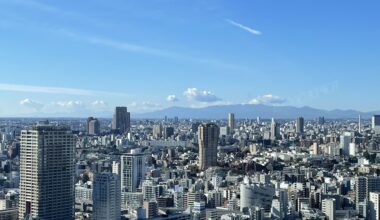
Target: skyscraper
(157, 131)
(168, 132)
(121, 120)
(360, 190)
(300, 125)
(208, 135)
(231, 121)
(345, 141)
(93, 126)
(274, 130)
(107, 197)
(363, 187)
(151, 209)
(328, 208)
(376, 124)
(47, 173)
(279, 207)
(132, 170)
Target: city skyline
(60, 58)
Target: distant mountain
(253, 111)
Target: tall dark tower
(121, 120)
(208, 135)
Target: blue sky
(85, 57)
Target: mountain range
(253, 111)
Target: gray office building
(93, 126)
(47, 173)
(300, 125)
(121, 120)
(107, 197)
(208, 135)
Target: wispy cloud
(119, 45)
(58, 12)
(130, 47)
(246, 28)
(31, 104)
(54, 90)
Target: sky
(86, 57)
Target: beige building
(328, 208)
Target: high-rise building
(363, 187)
(132, 170)
(376, 124)
(224, 131)
(279, 207)
(121, 120)
(93, 126)
(256, 194)
(116, 167)
(150, 190)
(345, 141)
(256, 213)
(328, 208)
(179, 200)
(274, 130)
(352, 149)
(208, 135)
(107, 197)
(199, 210)
(360, 124)
(360, 190)
(168, 132)
(300, 125)
(231, 121)
(314, 149)
(47, 173)
(176, 120)
(151, 209)
(192, 197)
(374, 205)
(321, 120)
(157, 131)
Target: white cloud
(31, 104)
(267, 99)
(54, 90)
(100, 104)
(68, 105)
(248, 29)
(71, 106)
(200, 96)
(172, 98)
